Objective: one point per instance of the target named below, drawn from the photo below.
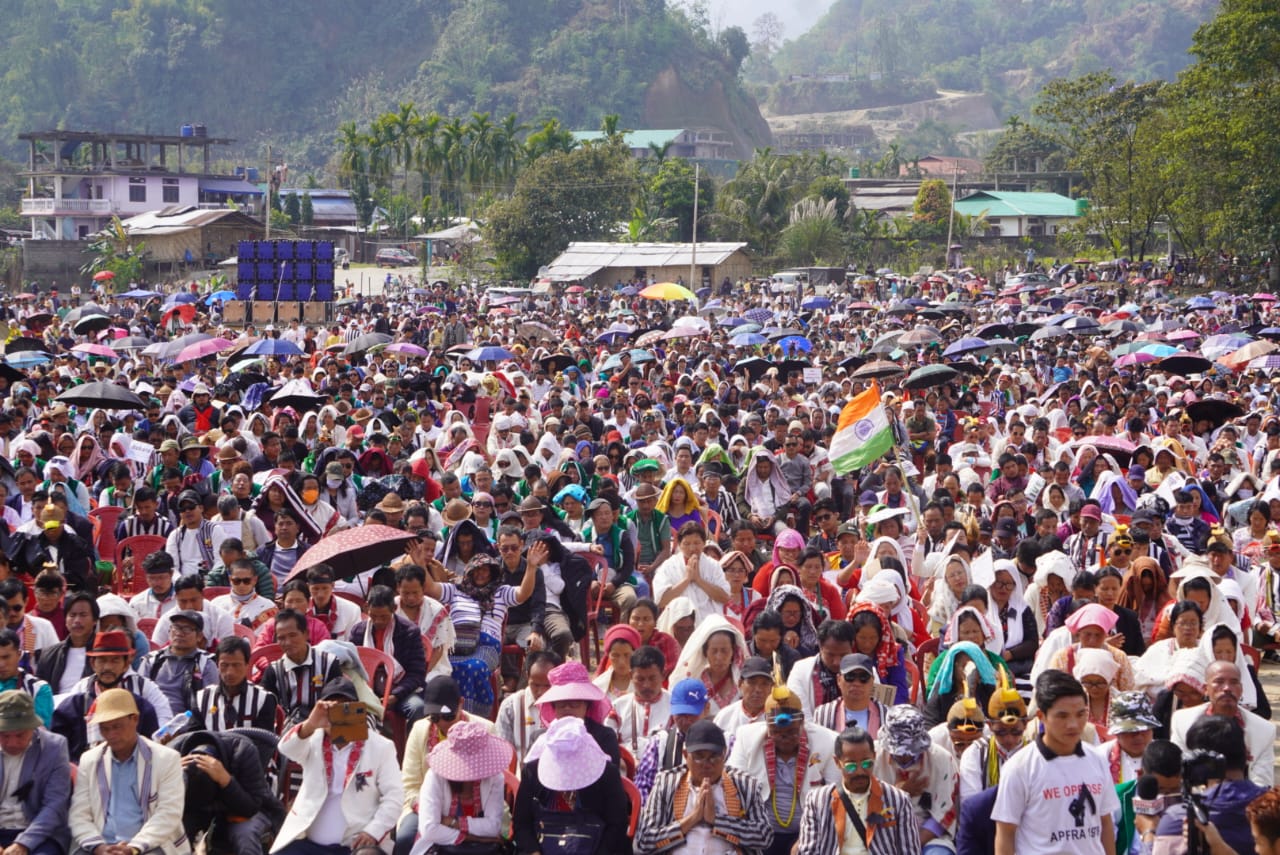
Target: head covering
(1131, 713)
(689, 697)
(808, 629)
(1093, 614)
(111, 705)
(904, 733)
(1006, 705)
(690, 499)
(886, 653)
(1187, 665)
(693, 661)
(992, 635)
(568, 757)
(757, 492)
(1248, 691)
(471, 753)
(617, 632)
(675, 611)
(889, 592)
(571, 682)
(1095, 662)
(943, 682)
(18, 712)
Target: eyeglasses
(1002, 585)
(182, 628)
(960, 725)
(507, 550)
(247, 580)
(1008, 731)
(501, 507)
(482, 504)
(1094, 683)
(1121, 551)
(854, 765)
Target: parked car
(394, 257)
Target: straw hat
(111, 705)
(228, 454)
(391, 504)
(455, 511)
(470, 753)
(568, 757)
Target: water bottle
(173, 726)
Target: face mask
(333, 483)
(310, 496)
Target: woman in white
(463, 794)
(714, 654)
(690, 573)
(942, 593)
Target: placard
(813, 375)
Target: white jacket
(159, 774)
(748, 756)
(1259, 739)
(372, 808)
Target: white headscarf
(693, 661)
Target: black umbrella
(91, 323)
(930, 376)
(1045, 333)
(556, 362)
(964, 366)
(900, 309)
(10, 373)
(851, 363)
(753, 367)
(102, 395)
(1120, 327)
(20, 345)
(40, 319)
(244, 379)
(1024, 328)
(787, 366)
(993, 331)
(296, 394)
(878, 370)
(1183, 363)
(83, 312)
(1214, 410)
(364, 342)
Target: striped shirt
(466, 611)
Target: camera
(1199, 767)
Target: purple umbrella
(407, 348)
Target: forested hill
(291, 70)
(1005, 48)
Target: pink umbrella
(1135, 358)
(407, 348)
(1182, 335)
(88, 348)
(1262, 297)
(202, 349)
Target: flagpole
(906, 479)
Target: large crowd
(607, 569)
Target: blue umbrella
(27, 358)
(1201, 303)
(140, 294)
(731, 322)
(759, 315)
(637, 355)
(492, 353)
(220, 295)
(816, 303)
(964, 345)
(274, 347)
(747, 328)
(182, 297)
(748, 340)
(795, 342)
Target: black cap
(1007, 528)
(442, 696)
(704, 735)
(339, 687)
(757, 666)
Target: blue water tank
(188, 131)
(253, 174)
(239, 172)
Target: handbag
(568, 832)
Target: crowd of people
(643, 602)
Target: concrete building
(603, 264)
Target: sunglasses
(822, 517)
(1125, 551)
(436, 718)
(1008, 731)
(247, 580)
(858, 677)
(961, 725)
(853, 766)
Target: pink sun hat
(568, 757)
(1094, 614)
(571, 682)
(471, 753)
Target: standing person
(861, 813)
(130, 791)
(1057, 795)
(700, 806)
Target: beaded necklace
(771, 764)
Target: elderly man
(1223, 686)
(130, 791)
(861, 813)
(33, 807)
(857, 679)
(789, 757)
(699, 806)
(351, 791)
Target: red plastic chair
(596, 601)
(261, 657)
(105, 537)
(372, 659)
(928, 648)
(147, 626)
(214, 591)
(137, 548)
(913, 673)
(634, 794)
(628, 761)
(511, 786)
(245, 632)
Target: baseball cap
(756, 666)
(704, 735)
(191, 616)
(1092, 512)
(689, 697)
(441, 696)
(1007, 528)
(855, 662)
(848, 528)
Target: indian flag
(863, 434)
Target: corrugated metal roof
(586, 258)
(175, 220)
(1000, 203)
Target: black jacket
(30, 552)
(577, 575)
(1129, 625)
(406, 640)
(604, 799)
(52, 663)
(247, 793)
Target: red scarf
(353, 759)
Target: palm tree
(480, 132)
(453, 161)
(429, 156)
(611, 127)
(507, 149)
(403, 135)
(352, 153)
(550, 137)
(659, 152)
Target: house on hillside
(185, 235)
(686, 143)
(944, 167)
(1022, 214)
(78, 180)
(603, 264)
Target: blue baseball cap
(689, 697)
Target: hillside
(288, 72)
(1006, 49)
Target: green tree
(559, 198)
(114, 251)
(551, 137)
(733, 41)
(814, 233)
(306, 211)
(933, 202)
(292, 208)
(671, 190)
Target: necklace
(771, 764)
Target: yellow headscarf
(690, 499)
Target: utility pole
(693, 254)
(271, 184)
(951, 220)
